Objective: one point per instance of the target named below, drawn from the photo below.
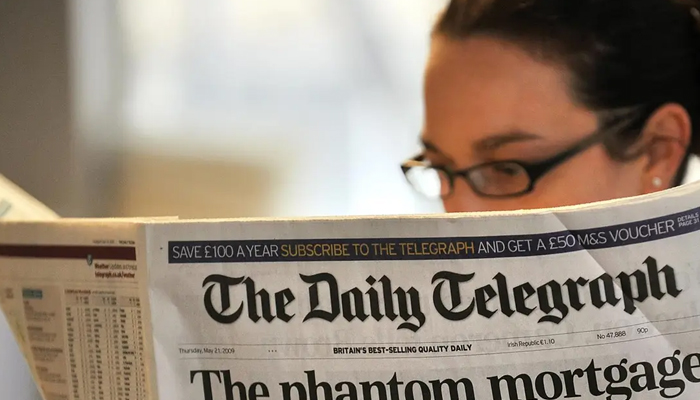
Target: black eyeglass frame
(534, 170)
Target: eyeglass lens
(498, 179)
(429, 182)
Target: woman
(543, 103)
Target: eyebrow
(490, 143)
(495, 142)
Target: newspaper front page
(593, 302)
(590, 302)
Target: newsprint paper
(15, 377)
(598, 301)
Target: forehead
(478, 87)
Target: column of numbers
(139, 361)
(92, 364)
(114, 351)
(74, 350)
(126, 339)
(105, 342)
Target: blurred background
(209, 108)
(213, 108)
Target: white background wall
(324, 96)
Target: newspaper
(595, 301)
(15, 378)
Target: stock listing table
(105, 346)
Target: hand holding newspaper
(595, 301)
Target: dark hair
(624, 57)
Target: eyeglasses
(505, 178)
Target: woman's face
(487, 100)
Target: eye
(503, 178)
(509, 169)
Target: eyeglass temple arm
(536, 170)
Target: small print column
(75, 329)
(133, 368)
(43, 313)
(113, 351)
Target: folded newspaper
(15, 378)
(594, 301)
